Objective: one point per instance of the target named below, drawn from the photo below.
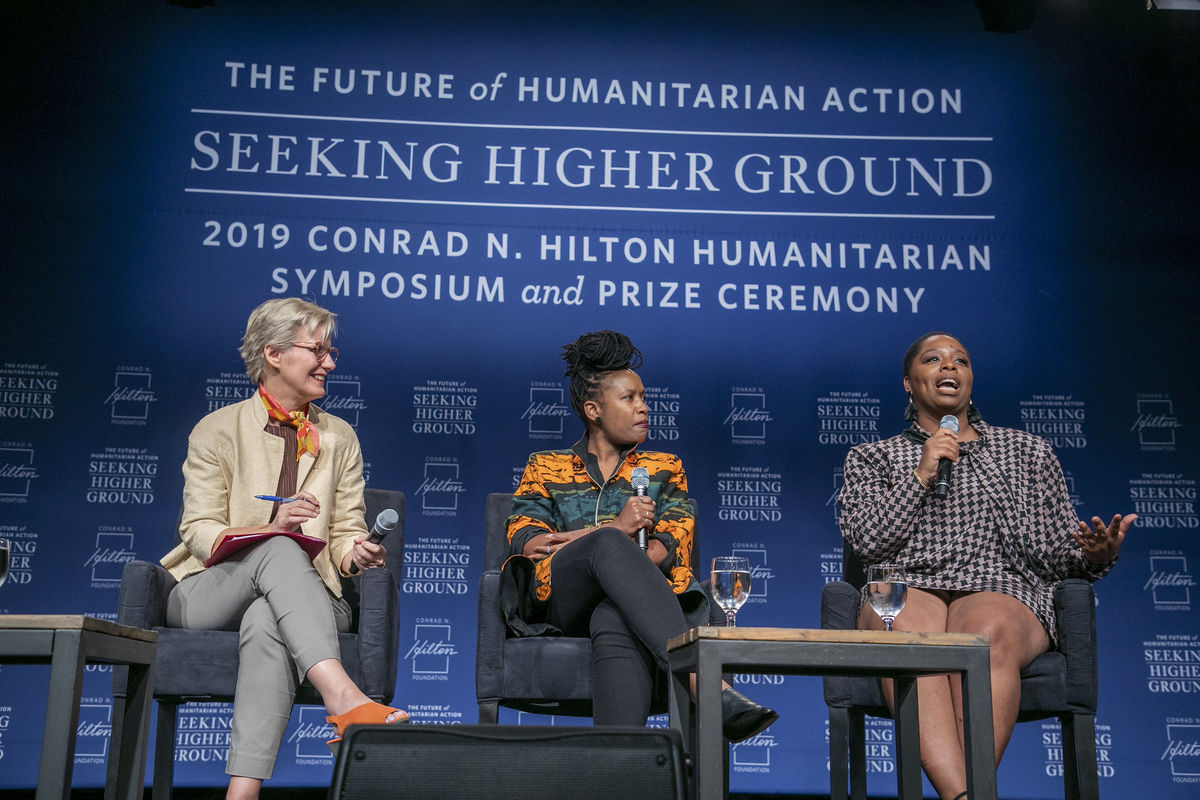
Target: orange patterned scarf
(307, 439)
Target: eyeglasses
(319, 350)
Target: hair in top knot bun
(590, 357)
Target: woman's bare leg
(940, 727)
(1017, 637)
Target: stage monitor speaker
(497, 762)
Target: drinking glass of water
(5, 549)
(730, 585)
(887, 586)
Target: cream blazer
(231, 458)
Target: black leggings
(604, 587)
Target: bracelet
(924, 485)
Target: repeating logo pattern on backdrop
(432, 649)
(1170, 582)
(1164, 500)
(122, 476)
(1182, 752)
(114, 549)
(343, 397)
(226, 389)
(441, 487)
(547, 411)
(27, 391)
(1173, 664)
(664, 416)
(748, 415)
(17, 471)
(444, 408)
(131, 396)
(1057, 418)
(1155, 423)
(202, 733)
(23, 546)
(847, 418)
(1052, 741)
(749, 494)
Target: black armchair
(537, 674)
(1060, 683)
(201, 665)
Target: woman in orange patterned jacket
(576, 566)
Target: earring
(910, 412)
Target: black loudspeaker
(497, 762)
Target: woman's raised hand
(1101, 542)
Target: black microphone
(945, 465)
(641, 482)
(385, 523)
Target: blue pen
(275, 499)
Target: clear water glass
(5, 552)
(887, 588)
(729, 583)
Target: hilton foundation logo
(748, 415)
(1183, 749)
(754, 754)
(114, 549)
(343, 398)
(1156, 423)
(664, 414)
(131, 396)
(440, 489)
(17, 472)
(839, 478)
(546, 411)
(122, 476)
(93, 730)
(444, 408)
(760, 571)
(309, 737)
(1057, 418)
(27, 391)
(431, 650)
(1164, 500)
(847, 418)
(1173, 664)
(1170, 583)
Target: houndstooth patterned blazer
(1005, 526)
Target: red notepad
(240, 541)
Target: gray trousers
(287, 622)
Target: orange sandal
(367, 714)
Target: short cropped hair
(276, 322)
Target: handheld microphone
(385, 523)
(641, 482)
(945, 465)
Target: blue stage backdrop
(773, 199)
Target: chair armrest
(839, 606)
(142, 602)
(378, 629)
(1075, 613)
(490, 635)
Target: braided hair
(593, 356)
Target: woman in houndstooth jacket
(984, 559)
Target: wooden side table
(67, 643)
(709, 651)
